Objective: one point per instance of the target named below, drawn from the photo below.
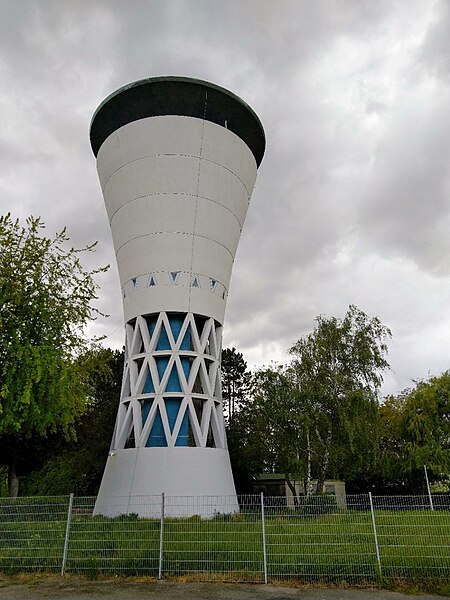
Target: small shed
(275, 484)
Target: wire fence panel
(32, 533)
(226, 542)
(122, 545)
(313, 539)
(414, 536)
(354, 539)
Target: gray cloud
(351, 202)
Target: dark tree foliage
(416, 433)
(268, 434)
(77, 466)
(235, 382)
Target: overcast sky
(352, 200)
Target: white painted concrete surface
(176, 191)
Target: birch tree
(339, 369)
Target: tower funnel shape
(177, 160)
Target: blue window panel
(176, 323)
(157, 437)
(163, 342)
(161, 365)
(186, 343)
(172, 409)
(173, 383)
(151, 323)
(182, 439)
(146, 409)
(186, 367)
(149, 388)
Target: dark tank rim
(182, 96)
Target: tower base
(195, 481)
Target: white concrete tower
(177, 161)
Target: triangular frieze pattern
(178, 278)
(171, 392)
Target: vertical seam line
(196, 196)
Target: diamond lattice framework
(171, 394)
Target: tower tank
(177, 160)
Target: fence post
(263, 522)
(375, 533)
(66, 541)
(161, 538)
(428, 487)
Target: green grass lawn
(340, 547)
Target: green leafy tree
(416, 433)
(270, 433)
(235, 381)
(77, 465)
(45, 300)
(282, 414)
(250, 452)
(338, 368)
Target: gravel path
(16, 588)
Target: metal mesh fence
(220, 538)
(32, 533)
(413, 536)
(354, 539)
(125, 544)
(314, 539)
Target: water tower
(177, 160)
